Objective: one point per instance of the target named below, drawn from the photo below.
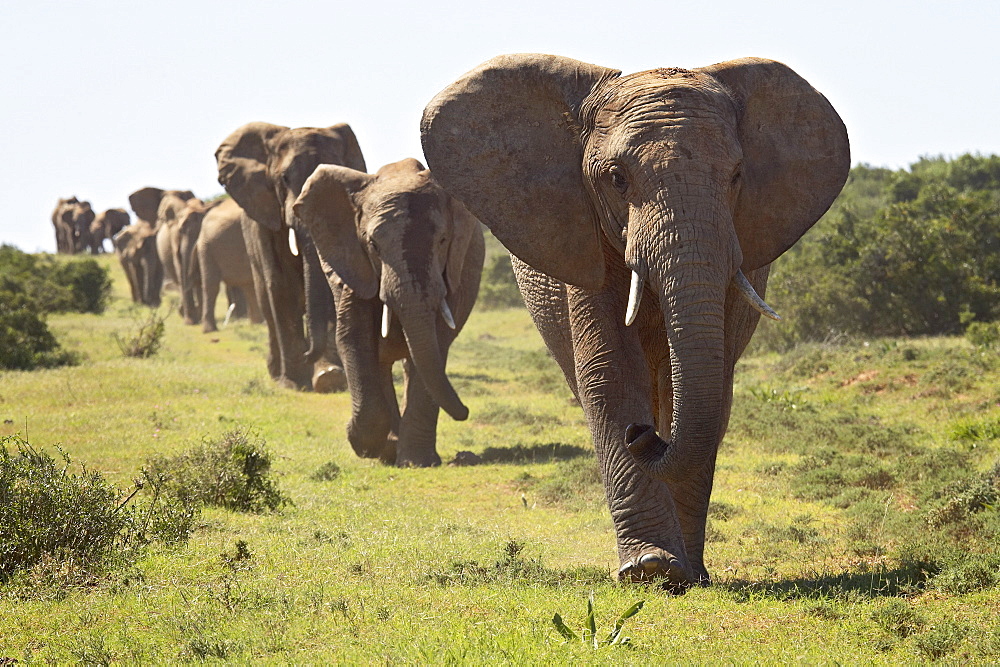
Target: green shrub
(25, 340)
(233, 472)
(898, 617)
(57, 285)
(940, 640)
(145, 340)
(68, 528)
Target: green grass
(851, 520)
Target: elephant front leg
(615, 390)
(417, 446)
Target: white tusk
(747, 290)
(634, 299)
(446, 314)
(386, 320)
(229, 314)
(292, 245)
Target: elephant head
(72, 219)
(263, 167)
(106, 225)
(397, 240)
(685, 179)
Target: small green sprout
(615, 637)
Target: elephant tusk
(634, 298)
(446, 314)
(386, 320)
(292, 245)
(229, 315)
(747, 290)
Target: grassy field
(855, 516)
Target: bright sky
(102, 97)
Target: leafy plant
(25, 340)
(589, 634)
(233, 472)
(145, 340)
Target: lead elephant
(406, 254)
(645, 210)
(71, 220)
(105, 226)
(263, 167)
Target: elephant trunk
(692, 282)
(420, 324)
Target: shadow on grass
(546, 453)
(907, 579)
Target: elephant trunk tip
(458, 412)
(648, 449)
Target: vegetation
(900, 253)
(32, 286)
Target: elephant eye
(618, 179)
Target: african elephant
(72, 219)
(211, 243)
(163, 209)
(644, 210)
(105, 226)
(263, 167)
(136, 249)
(403, 252)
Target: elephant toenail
(651, 564)
(625, 571)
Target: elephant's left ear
(796, 155)
(464, 227)
(326, 207)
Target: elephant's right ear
(326, 207)
(242, 160)
(505, 139)
(146, 203)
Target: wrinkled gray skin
(105, 226)
(71, 220)
(263, 167)
(135, 247)
(220, 254)
(395, 241)
(687, 178)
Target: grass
(852, 518)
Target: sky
(102, 97)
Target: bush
(57, 285)
(145, 340)
(25, 340)
(70, 528)
(233, 473)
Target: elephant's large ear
(796, 155)
(505, 139)
(464, 226)
(352, 149)
(327, 209)
(146, 203)
(242, 160)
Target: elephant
(399, 250)
(263, 167)
(643, 212)
(72, 219)
(211, 245)
(163, 209)
(135, 247)
(105, 226)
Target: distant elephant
(211, 245)
(163, 209)
(105, 226)
(263, 167)
(644, 211)
(135, 247)
(72, 219)
(403, 252)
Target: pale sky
(101, 98)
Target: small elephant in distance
(105, 226)
(643, 211)
(404, 260)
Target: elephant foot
(209, 328)
(329, 379)
(417, 460)
(657, 567)
(288, 383)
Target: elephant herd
(641, 211)
(79, 229)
